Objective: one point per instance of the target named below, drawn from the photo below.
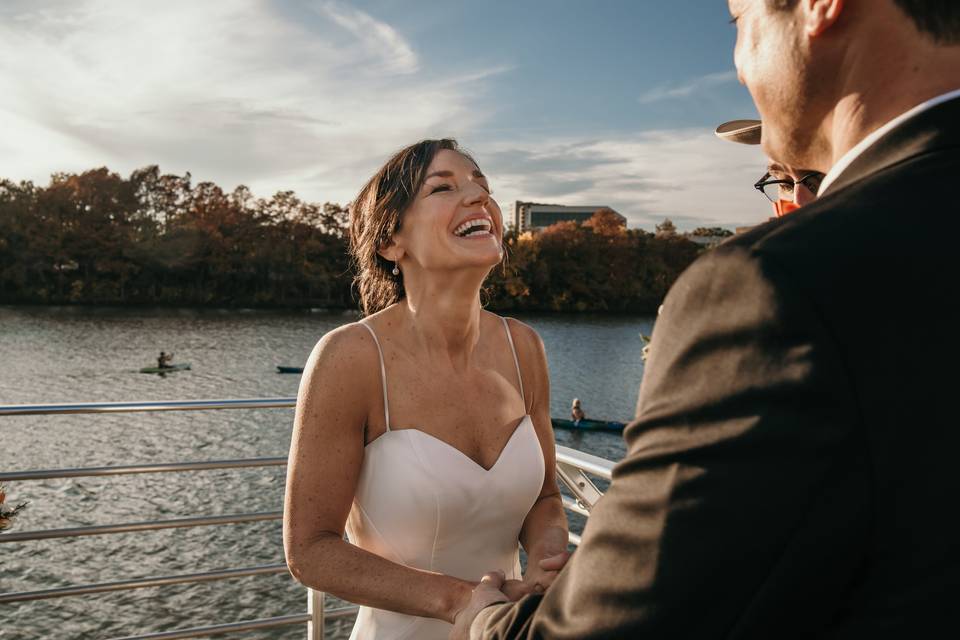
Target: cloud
(689, 88)
(380, 41)
(687, 175)
(236, 92)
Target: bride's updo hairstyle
(377, 213)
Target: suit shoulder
(737, 279)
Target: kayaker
(576, 412)
(163, 362)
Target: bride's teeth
(469, 227)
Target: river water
(81, 354)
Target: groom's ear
(820, 15)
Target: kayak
(181, 366)
(289, 369)
(588, 425)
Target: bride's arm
(326, 452)
(544, 534)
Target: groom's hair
(939, 19)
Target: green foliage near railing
(155, 238)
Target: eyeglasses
(782, 189)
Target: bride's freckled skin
(427, 424)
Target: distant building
(533, 216)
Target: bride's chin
(488, 256)
(486, 262)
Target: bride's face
(453, 223)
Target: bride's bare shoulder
(524, 336)
(528, 344)
(343, 353)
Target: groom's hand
(555, 562)
(485, 594)
(515, 589)
(541, 576)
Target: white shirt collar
(843, 163)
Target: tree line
(155, 238)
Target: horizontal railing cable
(168, 467)
(141, 583)
(236, 627)
(152, 525)
(218, 629)
(128, 407)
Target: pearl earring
(396, 269)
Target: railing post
(579, 484)
(315, 627)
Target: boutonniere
(645, 352)
(8, 513)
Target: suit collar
(935, 128)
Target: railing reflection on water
(573, 468)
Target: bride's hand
(515, 589)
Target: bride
(423, 430)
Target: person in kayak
(576, 412)
(165, 360)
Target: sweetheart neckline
(525, 419)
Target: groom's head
(803, 60)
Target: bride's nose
(475, 194)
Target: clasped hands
(495, 588)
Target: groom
(793, 468)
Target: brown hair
(377, 213)
(939, 19)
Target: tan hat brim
(741, 131)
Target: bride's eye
(440, 187)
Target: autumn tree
(606, 222)
(711, 232)
(157, 238)
(666, 229)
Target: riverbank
(158, 240)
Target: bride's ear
(391, 251)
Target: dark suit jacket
(794, 468)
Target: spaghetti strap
(516, 360)
(383, 373)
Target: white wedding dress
(423, 503)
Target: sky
(608, 103)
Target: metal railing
(572, 469)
